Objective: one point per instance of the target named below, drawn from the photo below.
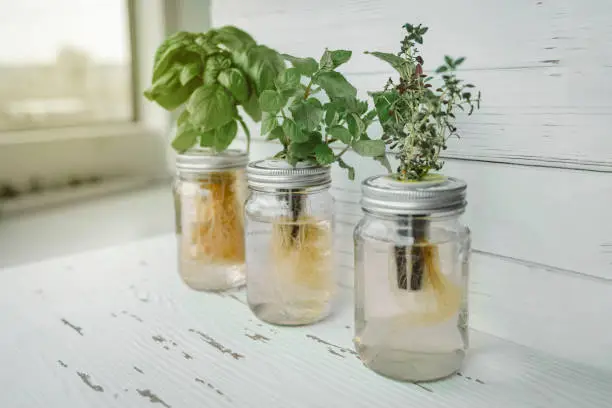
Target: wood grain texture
(138, 323)
(543, 66)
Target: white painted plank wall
(543, 66)
(537, 157)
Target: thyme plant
(417, 111)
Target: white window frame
(114, 152)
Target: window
(72, 113)
(64, 62)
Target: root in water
(217, 233)
(437, 298)
(301, 253)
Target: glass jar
(411, 275)
(289, 242)
(209, 194)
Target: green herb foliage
(211, 74)
(417, 116)
(308, 126)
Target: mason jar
(411, 273)
(289, 242)
(209, 194)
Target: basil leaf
(369, 148)
(183, 118)
(307, 114)
(190, 71)
(207, 139)
(350, 169)
(340, 133)
(355, 125)
(339, 57)
(324, 154)
(291, 130)
(305, 66)
(271, 101)
(263, 66)
(210, 107)
(213, 67)
(251, 107)
(268, 123)
(235, 82)
(335, 85)
(233, 38)
(225, 135)
(288, 80)
(185, 138)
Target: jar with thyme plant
(411, 274)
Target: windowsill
(94, 131)
(69, 195)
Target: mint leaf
(326, 63)
(307, 114)
(189, 72)
(185, 138)
(331, 116)
(350, 169)
(340, 133)
(369, 148)
(335, 85)
(305, 66)
(207, 139)
(385, 162)
(277, 133)
(210, 107)
(339, 57)
(382, 103)
(395, 61)
(225, 135)
(294, 133)
(268, 123)
(302, 150)
(288, 80)
(355, 125)
(271, 101)
(235, 82)
(324, 154)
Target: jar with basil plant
(211, 80)
(411, 248)
(314, 114)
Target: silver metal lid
(273, 174)
(204, 160)
(437, 194)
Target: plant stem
(418, 228)
(246, 133)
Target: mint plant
(210, 75)
(307, 125)
(417, 116)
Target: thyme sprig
(417, 116)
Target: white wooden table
(117, 328)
